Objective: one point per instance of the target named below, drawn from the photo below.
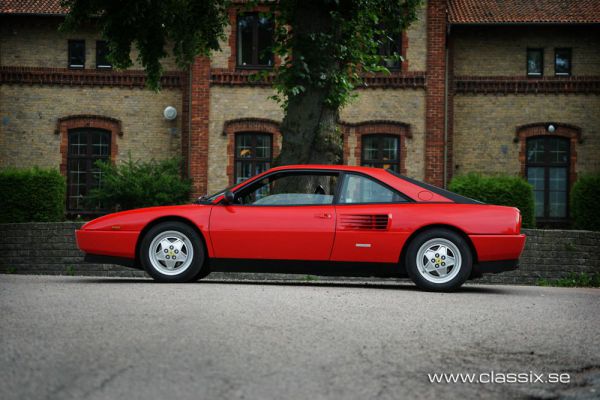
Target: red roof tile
(523, 11)
(40, 7)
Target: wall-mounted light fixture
(551, 128)
(170, 113)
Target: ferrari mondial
(318, 220)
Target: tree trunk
(309, 128)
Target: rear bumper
(498, 247)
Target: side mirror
(228, 197)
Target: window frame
(69, 51)
(379, 160)
(285, 173)
(90, 159)
(341, 177)
(530, 50)
(252, 160)
(107, 65)
(569, 50)
(399, 42)
(255, 53)
(546, 165)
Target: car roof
(414, 189)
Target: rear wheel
(439, 260)
(173, 252)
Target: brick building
(485, 85)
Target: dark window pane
(381, 151)
(559, 150)
(548, 172)
(390, 48)
(562, 62)
(76, 53)
(245, 39)
(535, 62)
(86, 146)
(252, 154)
(535, 150)
(102, 55)
(254, 41)
(265, 41)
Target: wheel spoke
(442, 271)
(429, 267)
(170, 264)
(449, 261)
(160, 255)
(442, 250)
(182, 256)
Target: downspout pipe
(446, 81)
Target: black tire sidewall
(193, 272)
(461, 244)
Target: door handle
(323, 215)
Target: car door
(369, 221)
(285, 216)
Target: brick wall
(501, 51)
(49, 248)
(30, 114)
(36, 42)
(485, 128)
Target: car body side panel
(99, 236)
(273, 232)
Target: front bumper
(108, 243)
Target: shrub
(134, 184)
(31, 195)
(584, 206)
(502, 190)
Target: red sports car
(320, 220)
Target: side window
(535, 62)
(77, 54)
(290, 189)
(358, 189)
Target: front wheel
(172, 252)
(439, 260)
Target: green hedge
(135, 184)
(502, 190)
(28, 195)
(584, 202)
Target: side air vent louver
(372, 222)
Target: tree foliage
(325, 48)
(329, 52)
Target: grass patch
(11, 270)
(310, 278)
(573, 280)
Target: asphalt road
(112, 338)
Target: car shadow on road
(381, 285)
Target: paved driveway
(110, 338)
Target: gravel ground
(110, 338)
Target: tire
(173, 252)
(439, 260)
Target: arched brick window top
(543, 128)
(70, 122)
(251, 125)
(249, 133)
(379, 137)
(378, 126)
(548, 157)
